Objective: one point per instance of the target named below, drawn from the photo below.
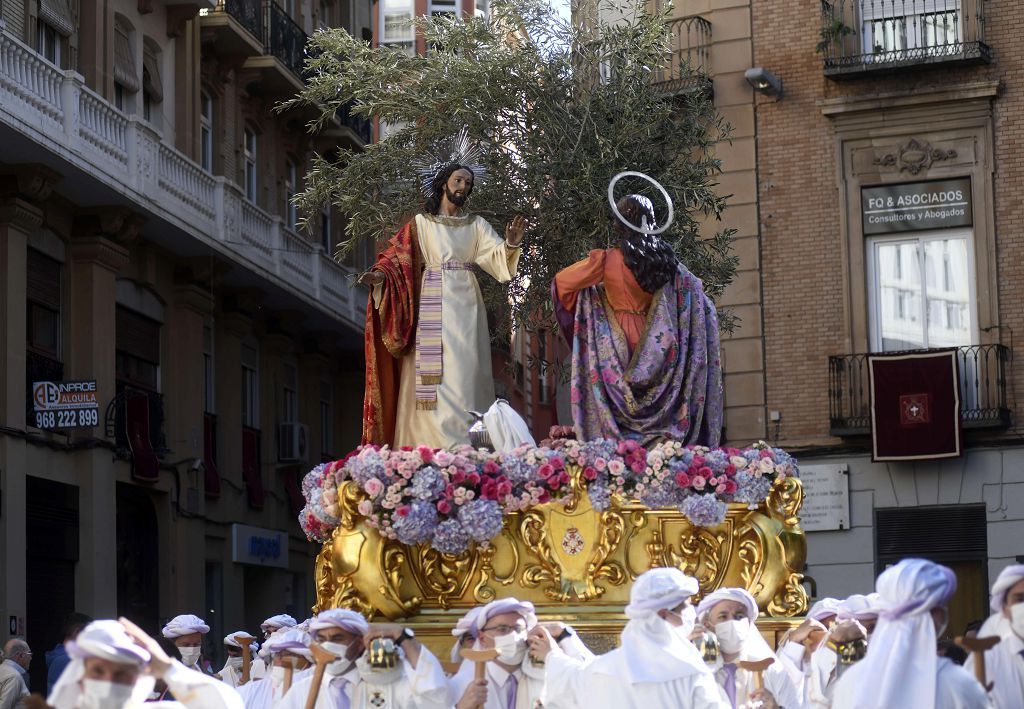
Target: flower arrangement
(453, 498)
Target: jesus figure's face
(459, 185)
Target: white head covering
(290, 640)
(754, 646)
(1008, 577)
(901, 660)
(824, 608)
(185, 625)
(653, 651)
(106, 640)
(740, 595)
(277, 622)
(231, 640)
(343, 618)
(859, 607)
(462, 627)
(499, 607)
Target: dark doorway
(51, 552)
(955, 536)
(138, 590)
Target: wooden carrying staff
(757, 668)
(978, 646)
(289, 670)
(481, 658)
(246, 658)
(322, 658)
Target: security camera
(198, 466)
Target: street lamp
(763, 81)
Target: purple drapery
(671, 387)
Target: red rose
(546, 471)
(443, 507)
(504, 488)
(589, 473)
(458, 477)
(491, 468)
(544, 496)
(402, 511)
(682, 480)
(426, 453)
(473, 479)
(730, 487)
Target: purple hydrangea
(660, 496)
(367, 464)
(313, 481)
(417, 526)
(481, 519)
(450, 537)
(750, 489)
(427, 483)
(600, 496)
(601, 448)
(704, 510)
(517, 470)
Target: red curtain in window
(251, 467)
(211, 476)
(145, 466)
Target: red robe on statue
(390, 332)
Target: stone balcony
(50, 116)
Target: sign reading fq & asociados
(916, 206)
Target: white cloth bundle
(506, 427)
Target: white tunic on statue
(955, 688)
(529, 679)
(601, 684)
(422, 687)
(466, 379)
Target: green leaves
(560, 108)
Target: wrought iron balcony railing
(117, 417)
(859, 36)
(248, 13)
(359, 124)
(284, 39)
(983, 403)
(688, 63)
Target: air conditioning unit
(293, 443)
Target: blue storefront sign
(259, 547)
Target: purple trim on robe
(672, 388)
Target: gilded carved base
(573, 562)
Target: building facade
(148, 243)
(875, 185)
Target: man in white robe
(115, 665)
(186, 632)
(231, 673)
(416, 682)
(656, 665)
(270, 626)
(514, 680)
(1004, 663)
(287, 648)
(730, 614)
(803, 649)
(902, 667)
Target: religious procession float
(419, 525)
(442, 509)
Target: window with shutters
(291, 183)
(43, 305)
(249, 148)
(251, 384)
(138, 350)
(126, 73)
(206, 131)
(152, 83)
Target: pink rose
(698, 482)
(616, 467)
(491, 468)
(427, 454)
(443, 458)
(590, 473)
(600, 464)
(365, 508)
(373, 487)
(546, 471)
(444, 507)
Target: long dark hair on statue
(648, 257)
(432, 205)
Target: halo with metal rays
(458, 148)
(644, 228)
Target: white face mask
(688, 618)
(235, 663)
(511, 648)
(1017, 619)
(339, 650)
(731, 634)
(277, 675)
(190, 655)
(98, 694)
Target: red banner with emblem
(915, 406)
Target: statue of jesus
(428, 351)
